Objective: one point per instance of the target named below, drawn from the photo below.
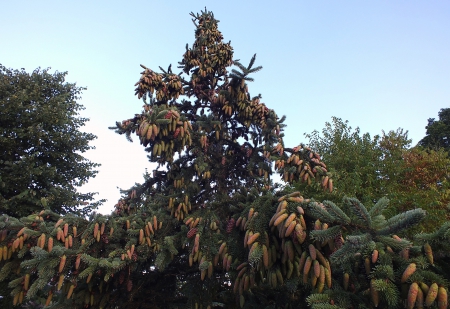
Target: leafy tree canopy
(41, 145)
(438, 132)
(353, 158)
(370, 168)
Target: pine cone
(338, 241)
(177, 132)
(230, 225)
(105, 238)
(192, 232)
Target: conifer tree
(207, 228)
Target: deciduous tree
(41, 144)
(438, 132)
(386, 165)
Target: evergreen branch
(168, 241)
(255, 256)
(163, 70)
(359, 210)
(442, 233)
(343, 254)
(250, 65)
(38, 285)
(245, 70)
(389, 290)
(326, 306)
(378, 222)
(58, 306)
(323, 235)
(6, 269)
(108, 275)
(86, 272)
(47, 270)
(383, 271)
(91, 261)
(433, 277)
(27, 264)
(16, 290)
(358, 241)
(104, 263)
(254, 70)
(385, 259)
(417, 252)
(236, 74)
(316, 211)
(393, 243)
(161, 261)
(39, 254)
(240, 66)
(88, 243)
(345, 299)
(446, 234)
(317, 298)
(379, 207)
(252, 62)
(13, 283)
(336, 212)
(415, 277)
(354, 244)
(402, 221)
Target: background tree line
(386, 165)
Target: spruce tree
(208, 228)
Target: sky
(381, 65)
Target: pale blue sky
(379, 64)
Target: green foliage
(403, 221)
(354, 159)
(438, 132)
(41, 144)
(385, 166)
